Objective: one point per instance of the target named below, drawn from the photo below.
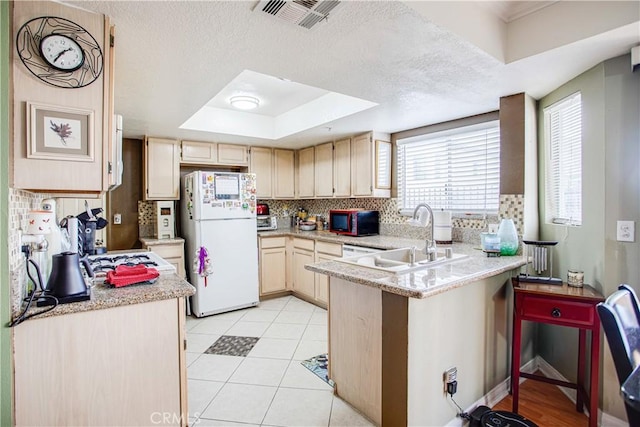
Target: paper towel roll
(442, 226)
(72, 228)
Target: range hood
(304, 13)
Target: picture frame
(60, 133)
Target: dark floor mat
(230, 345)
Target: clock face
(61, 52)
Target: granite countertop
(151, 241)
(378, 242)
(426, 282)
(417, 284)
(168, 286)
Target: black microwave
(354, 222)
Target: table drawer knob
(556, 312)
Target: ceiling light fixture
(244, 102)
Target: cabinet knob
(556, 312)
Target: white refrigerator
(218, 216)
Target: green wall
(611, 191)
(5, 334)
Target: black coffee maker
(67, 283)
(88, 223)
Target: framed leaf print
(59, 133)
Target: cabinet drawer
(167, 251)
(569, 313)
(334, 249)
(303, 243)
(273, 242)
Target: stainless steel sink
(399, 260)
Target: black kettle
(66, 277)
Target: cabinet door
(272, 270)
(162, 169)
(323, 166)
(229, 154)
(284, 176)
(203, 153)
(261, 163)
(322, 280)
(60, 169)
(361, 165)
(342, 168)
(306, 176)
(303, 279)
(325, 251)
(131, 356)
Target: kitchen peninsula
(392, 336)
(117, 359)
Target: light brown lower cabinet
(273, 265)
(325, 251)
(118, 366)
(282, 261)
(173, 253)
(303, 279)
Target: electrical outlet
(449, 378)
(450, 375)
(625, 231)
(117, 219)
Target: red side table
(565, 306)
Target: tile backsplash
(391, 222)
(20, 203)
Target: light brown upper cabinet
(323, 166)
(306, 177)
(200, 153)
(342, 168)
(365, 164)
(283, 174)
(261, 163)
(234, 155)
(161, 169)
(60, 166)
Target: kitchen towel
(442, 226)
(125, 275)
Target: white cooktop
(101, 264)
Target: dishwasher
(352, 250)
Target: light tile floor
(269, 387)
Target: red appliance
(262, 209)
(354, 222)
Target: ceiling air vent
(304, 13)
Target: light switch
(117, 218)
(626, 231)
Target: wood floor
(545, 405)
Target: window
(563, 133)
(456, 170)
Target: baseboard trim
(501, 391)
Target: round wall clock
(59, 52)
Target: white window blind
(563, 130)
(456, 170)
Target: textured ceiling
(173, 57)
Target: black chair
(620, 318)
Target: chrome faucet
(430, 245)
